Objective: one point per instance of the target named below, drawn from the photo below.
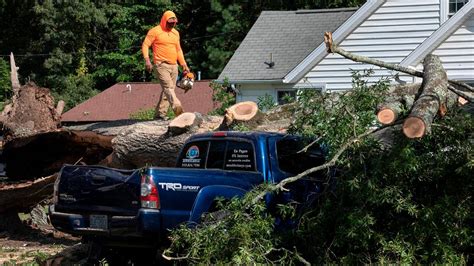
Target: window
(285, 96)
(292, 161)
(218, 154)
(215, 159)
(239, 156)
(455, 5)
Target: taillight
(149, 193)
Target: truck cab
(148, 202)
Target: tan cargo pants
(167, 75)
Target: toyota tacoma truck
(144, 204)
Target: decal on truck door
(194, 155)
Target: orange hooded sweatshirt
(165, 43)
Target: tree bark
(23, 196)
(184, 123)
(14, 75)
(398, 98)
(434, 95)
(146, 144)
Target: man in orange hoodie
(164, 40)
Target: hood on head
(167, 15)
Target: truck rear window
(219, 154)
(239, 156)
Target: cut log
(244, 113)
(399, 98)
(44, 153)
(184, 123)
(434, 94)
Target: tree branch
(332, 162)
(333, 48)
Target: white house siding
(251, 92)
(457, 52)
(390, 34)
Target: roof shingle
(118, 101)
(289, 35)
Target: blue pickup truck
(144, 204)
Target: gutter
(247, 81)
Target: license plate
(98, 221)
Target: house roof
(317, 54)
(440, 35)
(288, 35)
(119, 101)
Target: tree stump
(245, 114)
(184, 123)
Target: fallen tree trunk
(434, 97)
(158, 143)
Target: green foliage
(348, 114)
(408, 204)
(240, 127)
(221, 98)
(265, 102)
(5, 83)
(75, 90)
(143, 114)
(243, 236)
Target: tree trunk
(434, 96)
(146, 144)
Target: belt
(164, 62)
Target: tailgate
(98, 189)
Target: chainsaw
(186, 81)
